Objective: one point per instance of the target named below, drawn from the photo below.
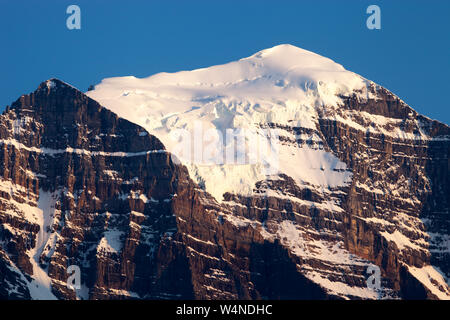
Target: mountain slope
(283, 84)
(82, 187)
(344, 177)
(354, 170)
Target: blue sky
(409, 55)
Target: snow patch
(111, 241)
(432, 279)
(40, 286)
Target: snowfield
(194, 113)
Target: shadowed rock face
(400, 187)
(80, 186)
(105, 180)
(113, 204)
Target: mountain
(278, 176)
(358, 172)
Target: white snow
(111, 241)
(302, 245)
(191, 111)
(402, 242)
(329, 253)
(340, 288)
(378, 125)
(40, 287)
(52, 152)
(50, 84)
(432, 279)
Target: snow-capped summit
(332, 152)
(283, 85)
(284, 71)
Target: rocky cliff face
(360, 180)
(80, 186)
(393, 213)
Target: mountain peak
(54, 84)
(285, 58)
(284, 84)
(56, 90)
(53, 96)
(280, 50)
(282, 72)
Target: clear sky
(410, 55)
